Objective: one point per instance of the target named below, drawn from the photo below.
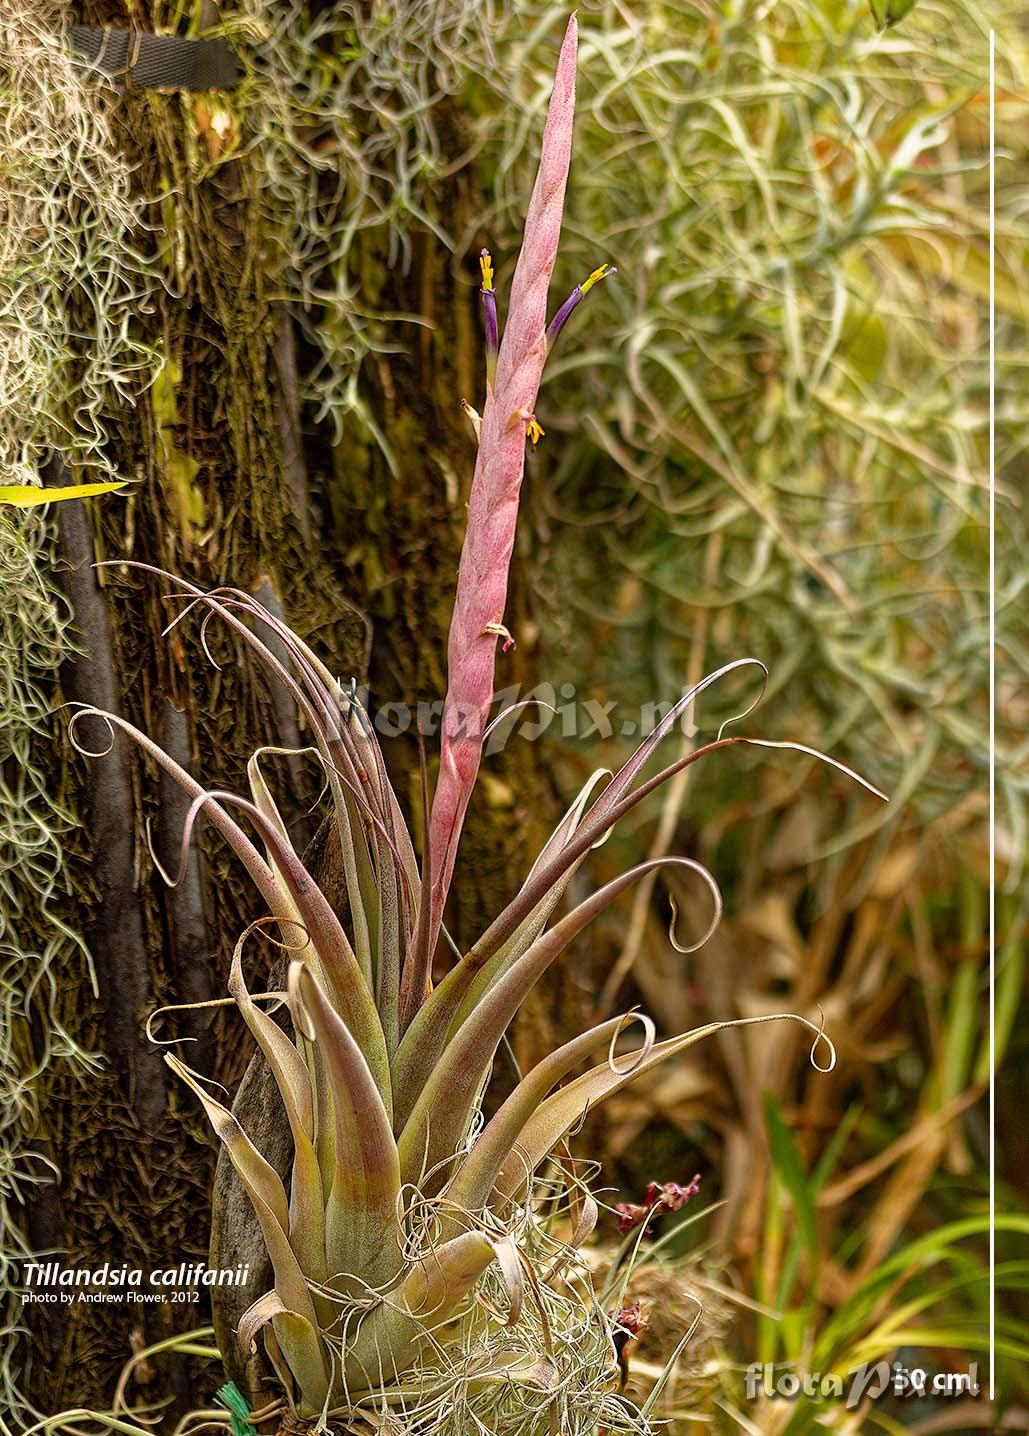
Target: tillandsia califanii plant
(412, 1275)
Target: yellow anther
(486, 266)
(600, 273)
(534, 431)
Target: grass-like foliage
(783, 444)
(344, 106)
(410, 1267)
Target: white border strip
(993, 754)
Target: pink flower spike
(493, 513)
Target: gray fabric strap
(133, 57)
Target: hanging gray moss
(36, 943)
(67, 229)
(347, 106)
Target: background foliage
(782, 450)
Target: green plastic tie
(236, 1404)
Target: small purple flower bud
(631, 1319)
(659, 1198)
(630, 1216)
(489, 311)
(574, 299)
(489, 315)
(557, 323)
(671, 1196)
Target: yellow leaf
(27, 496)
